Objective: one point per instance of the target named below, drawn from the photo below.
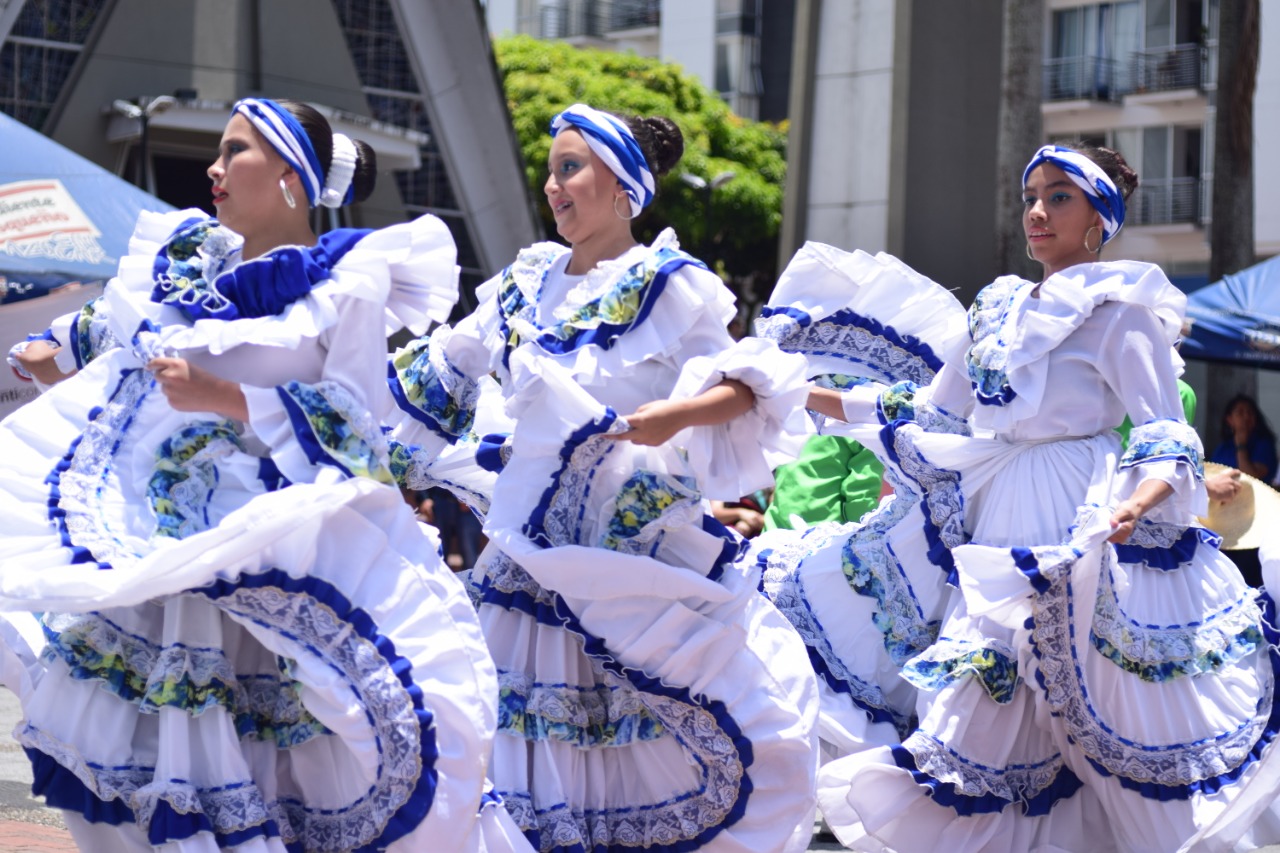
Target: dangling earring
(1029, 255)
(629, 215)
(1086, 240)
(288, 196)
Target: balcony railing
(1097, 79)
(1177, 67)
(594, 18)
(1167, 200)
(1076, 77)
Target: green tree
(738, 235)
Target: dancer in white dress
(243, 639)
(1100, 680)
(650, 697)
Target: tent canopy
(1237, 319)
(62, 217)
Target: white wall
(500, 16)
(848, 204)
(688, 36)
(1266, 136)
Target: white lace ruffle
(733, 459)
(409, 266)
(1014, 336)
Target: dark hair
(1111, 162)
(321, 135)
(660, 140)
(1261, 427)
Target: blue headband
(1088, 176)
(283, 133)
(612, 142)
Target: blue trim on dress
(1025, 560)
(489, 451)
(535, 527)
(846, 317)
(1154, 790)
(1064, 786)
(938, 552)
(261, 287)
(62, 789)
(561, 616)
(1178, 554)
(311, 446)
(418, 414)
(58, 515)
(407, 818)
(564, 337)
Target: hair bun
(668, 143)
(366, 176)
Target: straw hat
(1248, 518)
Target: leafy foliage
(541, 78)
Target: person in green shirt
(833, 479)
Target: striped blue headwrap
(283, 133)
(612, 142)
(1088, 176)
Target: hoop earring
(288, 196)
(1086, 240)
(629, 215)
(1029, 255)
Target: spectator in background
(1248, 444)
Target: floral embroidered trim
(1161, 653)
(1017, 783)
(873, 570)
(1161, 440)
(334, 429)
(264, 707)
(187, 266)
(949, 660)
(91, 333)
(644, 506)
(608, 713)
(80, 482)
(988, 356)
(783, 583)
(430, 389)
(186, 475)
(304, 608)
(235, 808)
(899, 403)
(1172, 766)
(845, 335)
(624, 302)
(937, 489)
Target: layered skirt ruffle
(210, 662)
(1080, 695)
(650, 698)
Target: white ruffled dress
(867, 595)
(1079, 696)
(649, 698)
(241, 637)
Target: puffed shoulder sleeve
(737, 457)
(1140, 366)
(434, 379)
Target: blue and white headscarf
(613, 142)
(1088, 176)
(285, 134)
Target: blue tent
(1237, 319)
(62, 217)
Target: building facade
(739, 48)
(1140, 76)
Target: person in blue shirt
(1248, 443)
